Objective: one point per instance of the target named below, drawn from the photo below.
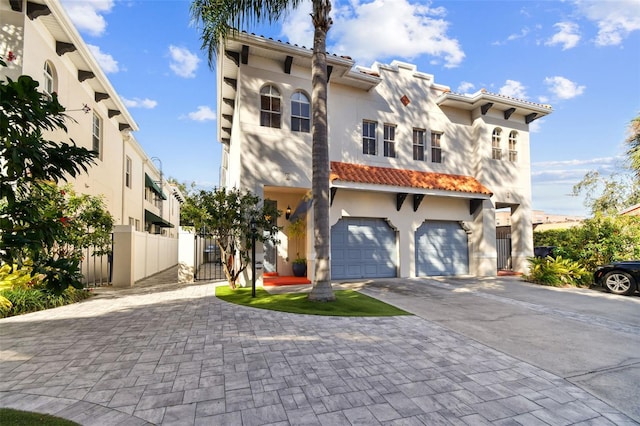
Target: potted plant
(296, 231)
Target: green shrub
(5, 306)
(18, 277)
(558, 272)
(22, 300)
(600, 240)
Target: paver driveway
(185, 357)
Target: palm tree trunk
(321, 290)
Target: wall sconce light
(287, 214)
(85, 108)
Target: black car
(619, 277)
(544, 251)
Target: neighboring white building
(417, 171)
(45, 45)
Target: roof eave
(70, 30)
(374, 187)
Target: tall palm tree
(221, 18)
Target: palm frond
(217, 19)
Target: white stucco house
(417, 172)
(43, 43)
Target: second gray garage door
(363, 248)
(441, 249)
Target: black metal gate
(208, 258)
(503, 247)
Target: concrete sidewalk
(172, 354)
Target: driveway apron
(177, 355)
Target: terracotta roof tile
(358, 173)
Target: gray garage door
(441, 249)
(363, 248)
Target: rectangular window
(513, 147)
(127, 172)
(436, 147)
(418, 144)
(97, 135)
(138, 225)
(389, 140)
(369, 137)
(496, 153)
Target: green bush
(558, 272)
(600, 240)
(22, 299)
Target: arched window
(300, 112)
(49, 79)
(496, 152)
(513, 146)
(270, 107)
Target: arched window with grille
(270, 107)
(300, 112)
(49, 77)
(513, 146)
(496, 151)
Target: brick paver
(177, 355)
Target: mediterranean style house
(417, 171)
(38, 39)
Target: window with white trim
(97, 135)
(300, 112)
(270, 107)
(390, 140)
(496, 149)
(513, 146)
(436, 147)
(49, 79)
(418, 144)
(127, 172)
(369, 137)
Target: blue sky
(582, 57)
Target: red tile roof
(358, 173)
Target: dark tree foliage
(30, 163)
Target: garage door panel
(363, 248)
(441, 249)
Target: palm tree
(221, 18)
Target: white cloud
(513, 89)
(183, 62)
(204, 113)
(465, 87)
(373, 30)
(522, 34)
(87, 15)
(568, 35)
(140, 103)
(563, 88)
(106, 61)
(297, 26)
(615, 20)
(535, 126)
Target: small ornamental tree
(227, 214)
(30, 164)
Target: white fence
(137, 255)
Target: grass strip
(9, 416)
(348, 303)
